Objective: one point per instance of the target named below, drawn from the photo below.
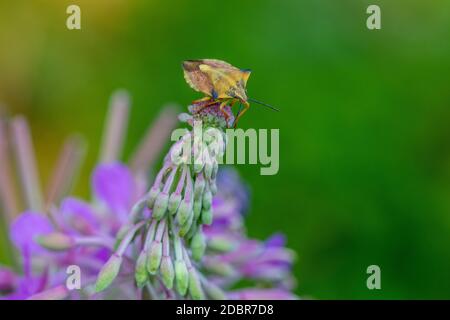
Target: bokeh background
(365, 137)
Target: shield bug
(220, 82)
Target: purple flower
(89, 227)
(232, 187)
(26, 228)
(233, 256)
(8, 280)
(79, 216)
(113, 185)
(277, 240)
(183, 238)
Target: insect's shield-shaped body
(222, 83)
(216, 79)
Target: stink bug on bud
(220, 82)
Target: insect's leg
(239, 111)
(222, 108)
(246, 107)
(201, 100)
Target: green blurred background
(365, 137)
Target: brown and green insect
(220, 82)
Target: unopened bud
(213, 291)
(213, 187)
(108, 273)
(195, 287)
(208, 169)
(215, 170)
(184, 229)
(221, 244)
(152, 194)
(207, 136)
(167, 272)
(207, 216)
(191, 231)
(138, 210)
(184, 211)
(56, 241)
(219, 268)
(174, 202)
(160, 207)
(207, 199)
(181, 277)
(198, 245)
(198, 164)
(197, 208)
(199, 187)
(140, 273)
(154, 257)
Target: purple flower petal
(231, 186)
(113, 185)
(31, 285)
(277, 240)
(8, 280)
(57, 293)
(78, 215)
(26, 228)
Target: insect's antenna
(263, 104)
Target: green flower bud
(160, 207)
(184, 211)
(220, 244)
(154, 257)
(198, 164)
(191, 231)
(152, 194)
(137, 210)
(56, 241)
(167, 272)
(140, 273)
(108, 273)
(207, 199)
(215, 170)
(198, 245)
(221, 269)
(174, 203)
(199, 187)
(184, 229)
(197, 208)
(213, 291)
(195, 288)
(208, 137)
(181, 277)
(208, 169)
(213, 186)
(207, 216)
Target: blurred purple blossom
(172, 248)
